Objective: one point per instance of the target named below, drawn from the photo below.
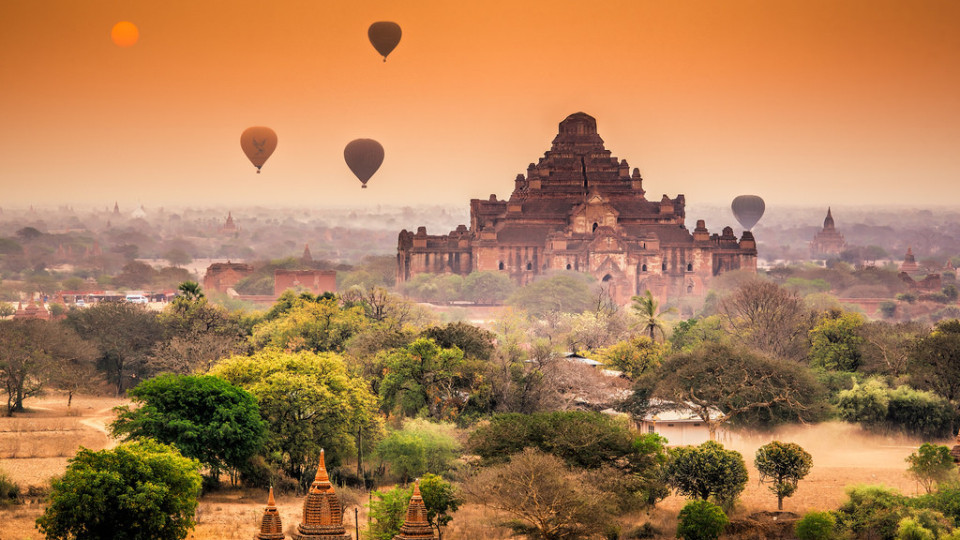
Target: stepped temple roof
(270, 526)
(322, 511)
(415, 526)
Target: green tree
(875, 512)
(693, 333)
(584, 440)
(887, 347)
(317, 326)
(722, 383)
(207, 418)
(701, 520)
(190, 290)
(475, 342)
(935, 363)
(931, 464)
(923, 414)
(816, 526)
(139, 490)
(422, 377)
(782, 465)
(707, 471)
(647, 310)
(309, 402)
(419, 447)
(442, 500)
(865, 403)
(835, 343)
(909, 529)
(388, 511)
(635, 358)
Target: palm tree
(190, 290)
(647, 308)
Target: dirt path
(99, 422)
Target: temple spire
(271, 527)
(416, 526)
(322, 510)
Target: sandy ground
(36, 445)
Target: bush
(875, 510)
(909, 529)
(9, 490)
(706, 471)
(931, 465)
(945, 501)
(420, 447)
(701, 520)
(816, 526)
(387, 512)
(146, 489)
(920, 413)
(864, 403)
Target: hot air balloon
(748, 209)
(258, 143)
(384, 36)
(364, 157)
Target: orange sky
(801, 101)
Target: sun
(125, 34)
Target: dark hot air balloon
(258, 143)
(748, 209)
(364, 157)
(384, 36)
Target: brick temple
(581, 209)
(827, 241)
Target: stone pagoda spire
(416, 526)
(828, 221)
(322, 512)
(270, 526)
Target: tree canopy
(722, 383)
(782, 465)
(34, 352)
(141, 490)
(707, 471)
(124, 334)
(205, 417)
(422, 377)
(309, 401)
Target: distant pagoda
(827, 241)
(416, 526)
(322, 511)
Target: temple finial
(322, 470)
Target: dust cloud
(836, 444)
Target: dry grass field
(34, 446)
